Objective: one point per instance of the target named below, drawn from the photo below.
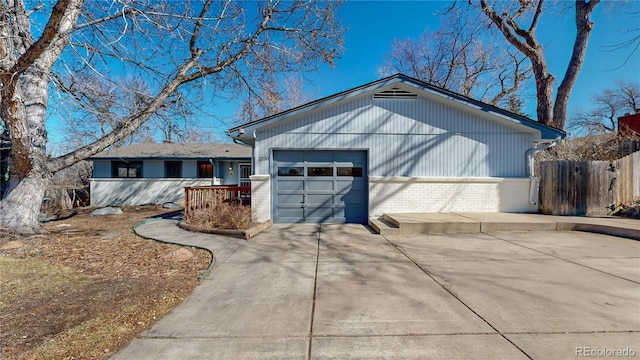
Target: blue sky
(373, 25)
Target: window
(173, 169)
(126, 169)
(290, 171)
(350, 171)
(205, 169)
(319, 171)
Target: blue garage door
(320, 186)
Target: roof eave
(240, 132)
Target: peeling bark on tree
(306, 29)
(19, 210)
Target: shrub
(606, 147)
(221, 216)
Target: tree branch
(536, 17)
(55, 28)
(127, 126)
(583, 26)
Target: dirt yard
(87, 287)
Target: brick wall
(406, 194)
(261, 197)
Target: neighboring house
(152, 173)
(629, 125)
(393, 145)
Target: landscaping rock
(109, 236)
(107, 211)
(14, 244)
(181, 254)
(170, 205)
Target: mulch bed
(128, 280)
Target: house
(629, 125)
(392, 145)
(152, 173)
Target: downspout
(533, 190)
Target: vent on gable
(395, 93)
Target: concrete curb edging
(213, 258)
(241, 234)
(457, 223)
(603, 229)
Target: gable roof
(176, 151)
(245, 131)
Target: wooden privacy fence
(588, 187)
(204, 197)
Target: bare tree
(632, 41)
(462, 56)
(608, 105)
(518, 22)
(219, 47)
(95, 107)
(271, 98)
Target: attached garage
(319, 186)
(393, 145)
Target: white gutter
(533, 190)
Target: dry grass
(606, 147)
(88, 287)
(222, 216)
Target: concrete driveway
(340, 291)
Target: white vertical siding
(406, 138)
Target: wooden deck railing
(203, 197)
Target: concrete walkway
(342, 291)
(454, 223)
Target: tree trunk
(19, 210)
(583, 30)
(28, 171)
(544, 88)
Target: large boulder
(181, 254)
(170, 205)
(107, 211)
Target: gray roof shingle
(176, 151)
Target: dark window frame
(169, 172)
(129, 165)
(351, 171)
(291, 171)
(208, 173)
(320, 171)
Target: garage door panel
(354, 214)
(318, 156)
(352, 198)
(289, 185)
(325, 185)
(320, 186)
(320, 199)
(319, 213)
(290, 214)
(290, 199)
(350, 156)
(290, 156)
(343, 186)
